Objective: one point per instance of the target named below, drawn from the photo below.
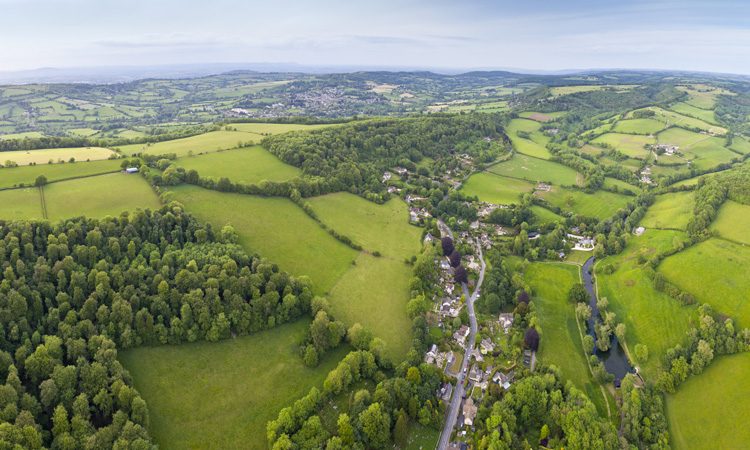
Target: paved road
(458, 393)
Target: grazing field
(672, 118)
(632, 145)
(221, 395)
(541, 117)
(710, 410)
(670, 211)
(733, 222)
(715, 272)
(99, 196)
(44, 156)
(693, 181)
(740, 144)
(28, 134)
(614, 183)
(702, 95)
(686, 109)
(273, 128)
(652, 318)
(705, 151)
(275, 228)
(202, 143)
(19, 204)
(638, 126)
(535, 144)
(535, 170)
(601, 204)
(249, 165)
(544, 215)
(497, 189)
(561, 344)
(383, 228)
(374, 292)
(558, 91)
(26, 175)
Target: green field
(651, 317)
(202, 143)
(631, 145)
(28, 134)
(273, 128)
(18, 204)
(638, 126)
(710, 410)
(560, 343)
(733, 222)
(497, 189)
(544, 215)
(535, 170)
(558, 91)
(601, 204)
(612, 183)
(249, 165)
(541, 117)
(221, 395)
(702, 95)
(26, 157)
(535, 144)
(383, 228)
(715, 272)
(26, 175)
(704, 150)
(706, 115)
(673, 118)
(670, 211)
(99, 196)
(275, 228)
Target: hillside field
(670, 211)
(202, 143)
(249, 165)
(27, 174)
(535, 144)
(16, 204)
(733, 222)
(601, 204)
(631, 145)
(44, 156)
(492, 188)
(535, 170)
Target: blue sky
(468, 34)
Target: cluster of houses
(582, 243)
(667, 149)
(646, 175)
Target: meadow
(558, 91)
(686, 109)
(710, 410)
(44, 156)
(536, 170)
(705, 151)
(614, 183)
(672, 118)
(541, 117)
(702, 95)
(19, 204)
(497, 189)
(715, 272)
(544, 215)
(221, 395)
(202, 143)
(632, 145)
(535, 145)
(638, 126)
(733, 222)
(275, 228)
(249, 165)
(26, 175)
(670, 211)
(601, 204)
(273, 128)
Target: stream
(615, 360)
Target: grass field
(558, 91)
(496, 189)
(601, 204)
(28, 134)
(532, 146)
(374, 292)
(702, 95)
(560, 342)
(535, 170)
(711, 410)
(26, 157)
(706, 115)
(384, 228)
(541, 117)
(630, 144)
(273, 128)
(249, 165)
(202, 143)
(221, 395)
(612, 183)
(544, 215)
(99, 196)
(674, 118)
(26, 175)
(639, 126)
(705, 151)
(733, 222)
(19, 204)
(275, 228)
(651, 317)
(670, 211)
(715, 272)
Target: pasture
(536, 170)
(497, 189)
(221, 395)
(710, 410)
(715, 272)
(558, 91)
(733, 222)
(99, 196)
(673, 118)
(541, 117)
(535, 144)
(26, 175)
(616, 184)
(202, 143)
(651, 317)
(702, 95)
(544, 215)
(17, 204)
(601, 204)
(249, 165)
(670, 211)
(273, 128)
(632, 145)
(638, 126)
(705, 151)
(13, 136)
(276, 229)
(44, 156)
(686, 109)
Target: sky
(711, 36)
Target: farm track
(43, 202)
(63, 179)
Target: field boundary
(63, 179)
(43, 202)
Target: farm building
(131, 170)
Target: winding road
(458, 393)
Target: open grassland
(202, 143)
(733, 222)
(672, 118)
(670, 211)
(374, 292)
(13, 136)
(497, 189)
(273, 128)
(26, 175)
(740, 144)
(535, 170)
(638, 126)
(26, 157)
(558, 91)
(544, 215)
(535, 144)
(702, 95)
(561, 344)
(221, 395)
(541, 117)
(614, 183)
(693, 181)
(99, 196)
(19, 204)
(652, 318)
(249, 165)
(715, 272)
(601, 204)
(705, 151)
(633, 145)
(383, 228)
(686, 109)
(711, 410)
(275, 228)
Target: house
(474, 225)
(486, 209)
(386, 176)
(582, 243)
(445, 391)
(552, 131)
(131, 170)
(506, 321)
(527, 358)
(430, 356)
(428, 239)
(400, 170)
(476, 374)
(487, 345)
(393, 190)
(477, 355)
(445, 264)
(668, 149)
(544, 187)
(533, 235)
(470, 412)
(504, 379)
(461, 335)
(639, 231)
